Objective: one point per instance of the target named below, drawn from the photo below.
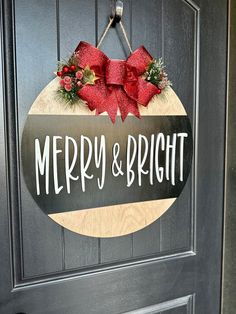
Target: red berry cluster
(66, 69)
(71, 80)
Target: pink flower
(67, 80)
(79, 83)
(68, 87)
(62, 83)
(163, 83)
(79, 75)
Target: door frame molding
(13, 202)
(229, 241)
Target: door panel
(173, 232)
(172, 266)
(37, 53)
(180, 30)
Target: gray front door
(172, 266)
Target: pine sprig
(72, 79)
(157, 75)
(69, 97)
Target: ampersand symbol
(116, 165)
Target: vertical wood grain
(179, 36)
(86, 20)
(76, 22)
(114, 46)
(147, 25)
(147, 31)
(36, 57)
(229, 263)
(5, 260)
(210, 188)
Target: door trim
(229, 241)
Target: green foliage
(74, 82)
(89, 76)
(69, 97)
(156, 74)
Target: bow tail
(93, 95)
(109, 105)
(101, 98)
(126, 104)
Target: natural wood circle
(118, 220)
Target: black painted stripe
(115, 190)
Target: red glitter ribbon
(120, 84)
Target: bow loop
(89, 55)
(139, 59)
(120, 86)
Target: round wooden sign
(101, 179)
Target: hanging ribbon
(120, 85)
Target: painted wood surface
(177, 256)
(116, 220)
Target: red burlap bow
(120, 84)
